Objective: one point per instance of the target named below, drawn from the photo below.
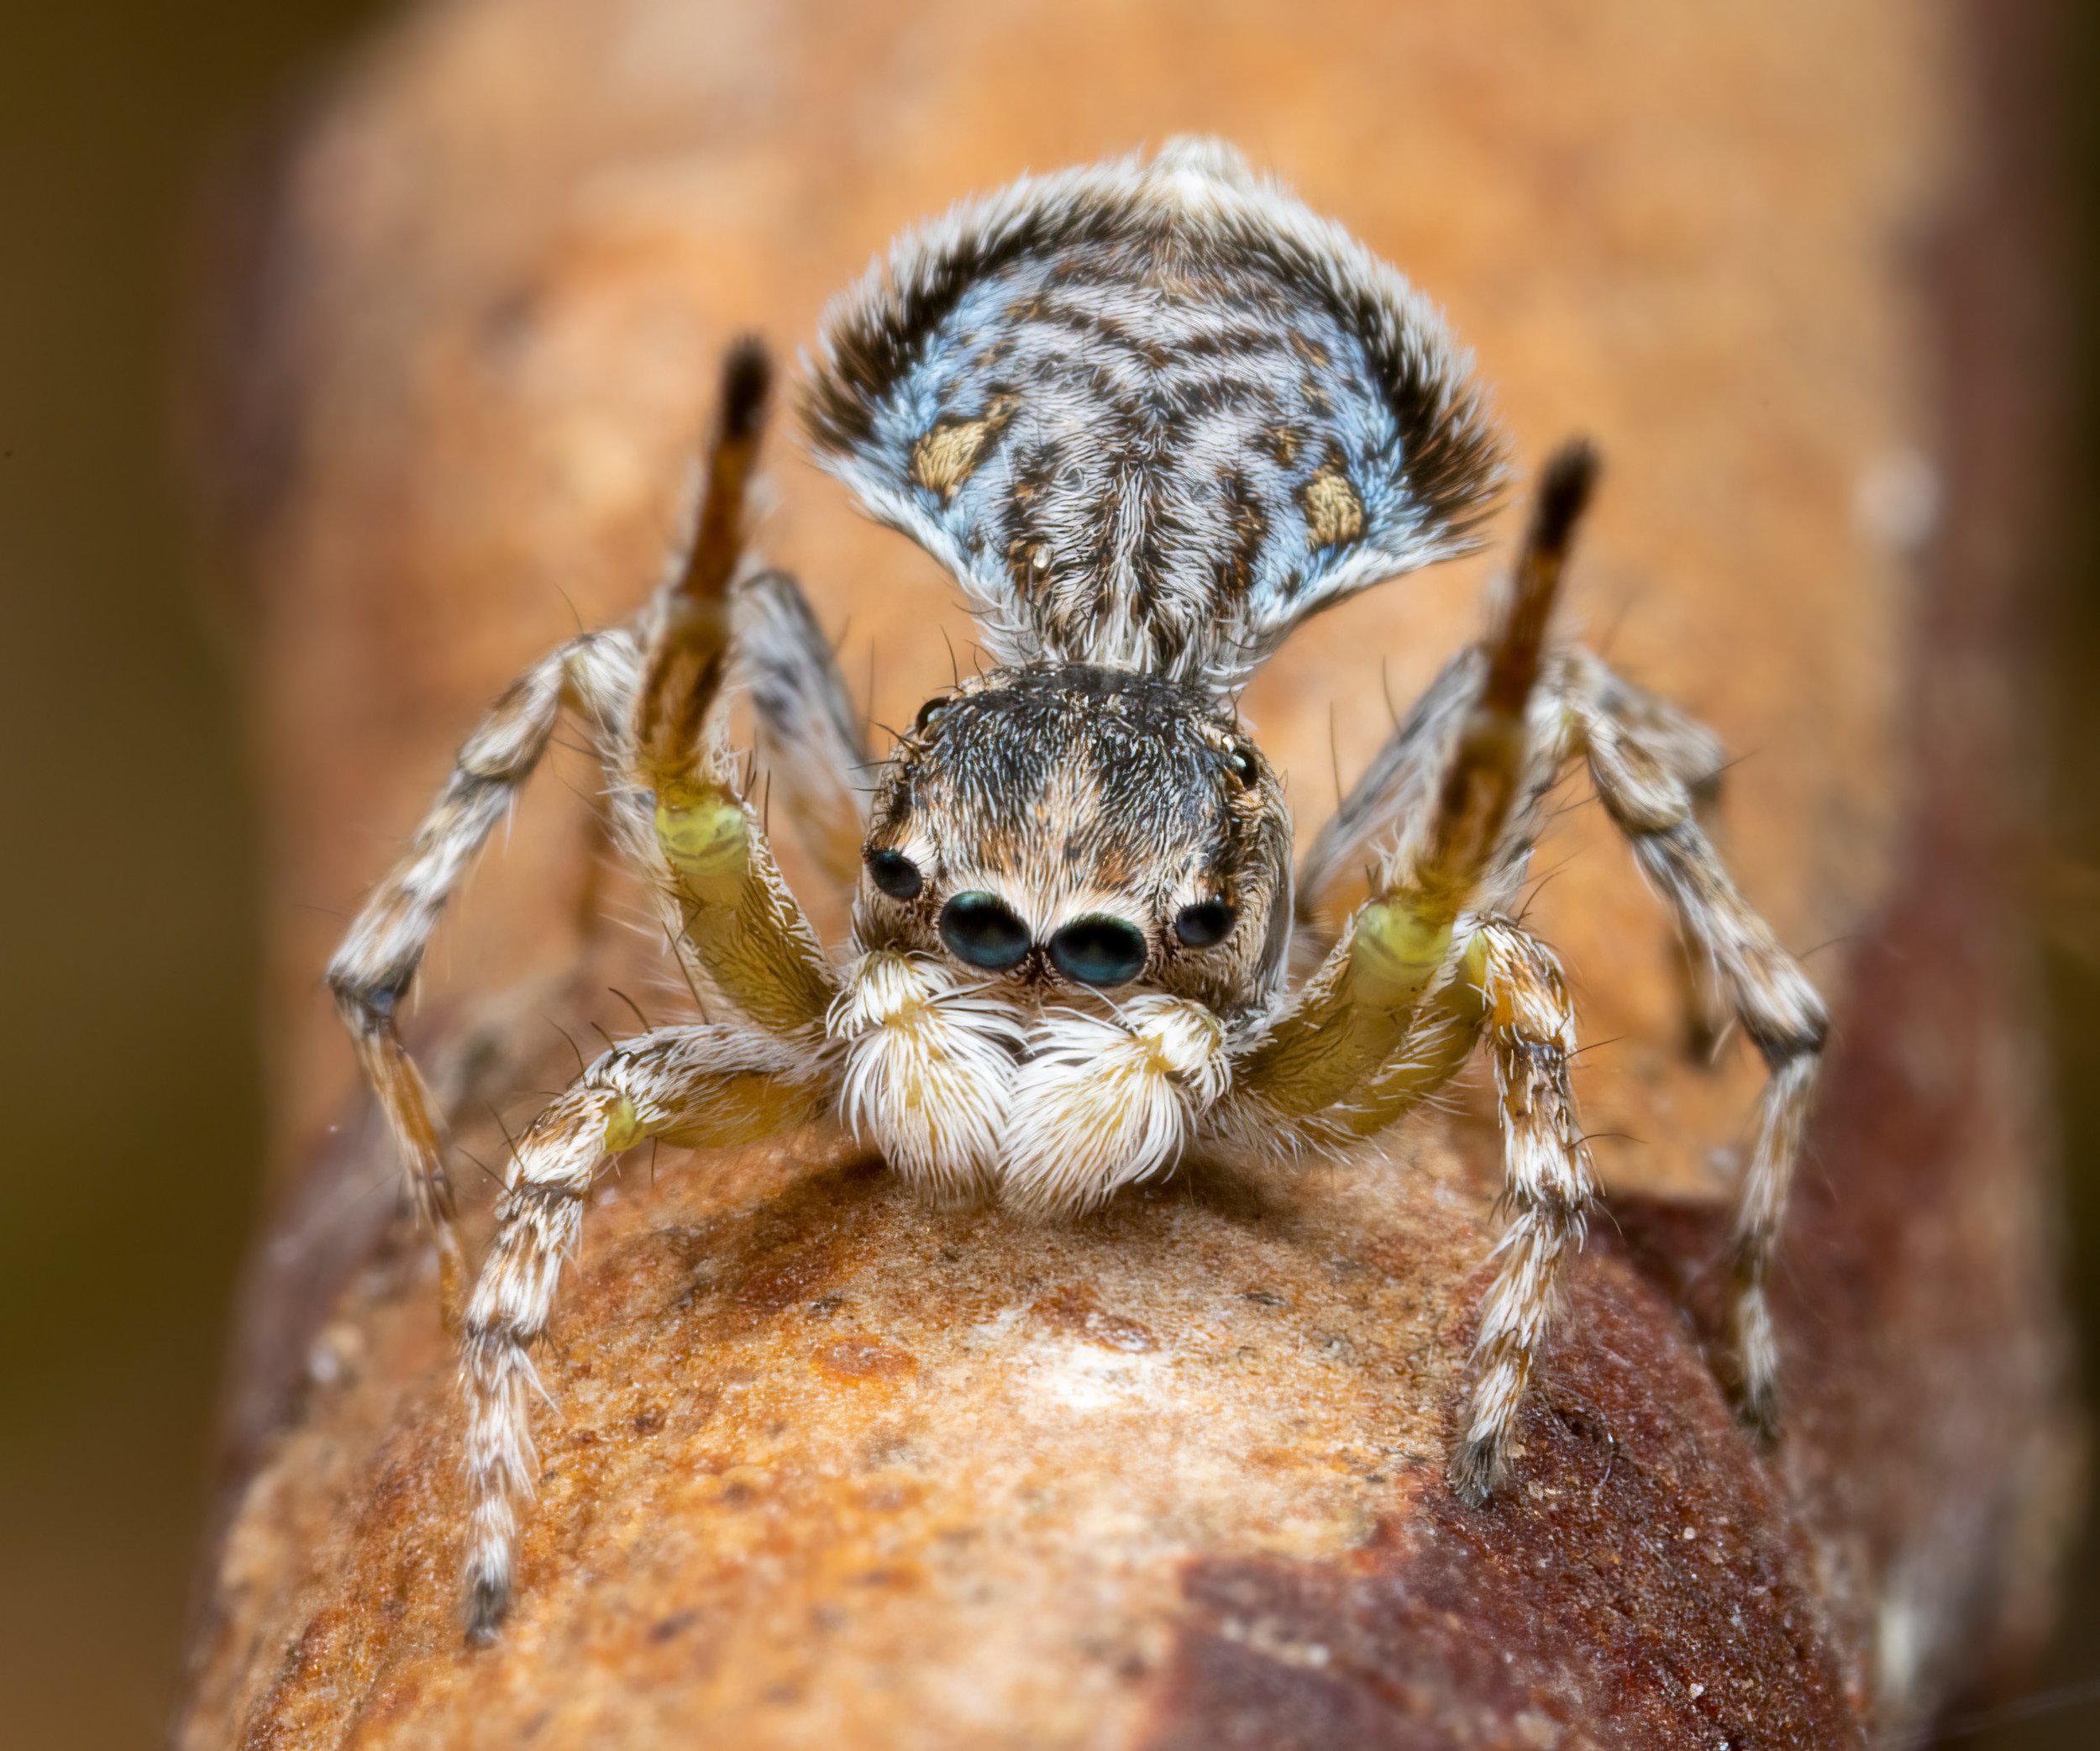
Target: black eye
(930, 713)
(1242, 763)
(894, 874)
(982, 929)
(1204, 924)
(1099, 951)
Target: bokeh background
(128, 903)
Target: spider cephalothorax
(1081, 828)
(1151, 415)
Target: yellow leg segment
(740, 925)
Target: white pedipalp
(929, 1062)
(1104, 1102)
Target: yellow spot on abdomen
(942, 459)
(1333, 511)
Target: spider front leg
(372, 969)
(1644, 766)
(1418, 976)
(1503, 985)
(1530, 1025)
(698, 1087)
(1464, 778)
(737, 928)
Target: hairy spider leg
(738, 926)
(811, 736)
(1354, 1016)
(371, 972)
(1530, 1027)
(697, 1086)
(1638, 767)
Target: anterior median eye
(1204, 924)
(1099, 951)
(894, 874)
(982, 929)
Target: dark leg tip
(1758, 1408)
(488, 1601)
(747, 381)
(1570, 477)
(1475, 1472)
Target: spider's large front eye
(982, 929)
(1099, 951)
(1203, 925)
(894, 874)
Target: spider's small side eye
(894, 874)
(1204, 924)
(930, 714)
(1241, 762)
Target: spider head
(1079, 829)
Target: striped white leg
(1397, 790)
(697, 1086)
(371, 972)
(1639, 761)
(1530, 1027)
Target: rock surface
(827, 1467)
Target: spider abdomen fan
(1154, 413)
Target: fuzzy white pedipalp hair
(1103, 1102)
(929, 1063)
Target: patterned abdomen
(1152, 416)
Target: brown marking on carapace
(1308, 349)
(1250, 533)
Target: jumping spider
(1151, 415)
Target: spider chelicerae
(1151, 415)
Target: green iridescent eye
(983, 930)
(1099, 951)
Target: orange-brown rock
(827, 1467)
